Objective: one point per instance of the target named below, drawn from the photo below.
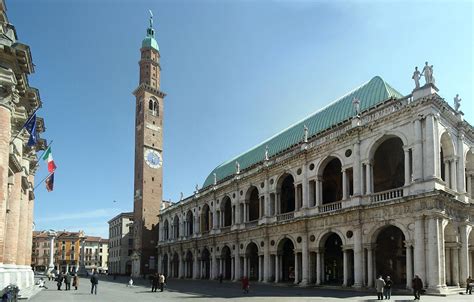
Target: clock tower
(148, 193)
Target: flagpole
(37, 164)
(42, 180)
(23, 127)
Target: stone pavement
(199, 290)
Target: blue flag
(30, 126)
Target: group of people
(157, 281)
(383, 287)
(66, 278)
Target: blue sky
(235, 73)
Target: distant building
(96, 253)
(121, 244)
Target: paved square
(199, 290)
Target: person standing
(379, 285)
(387, 289)
(161, 281)
(67, 281)
(154, 282)
(94, 282)
(417, 285)
(59, 280)
(245, 284)
(75, 281)
(469, 283)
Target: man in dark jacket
(154, 282)
(67, 281)
(59, 280)
(94, 282)
(417, 285)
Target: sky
(235, 73)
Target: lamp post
(51, 235)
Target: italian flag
(49, 157)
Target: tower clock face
(153, 158)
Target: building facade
(18, 161)
(96, 254)
(148, 156)
(121, 244)
(374, 183)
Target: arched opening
(205, 219)
(471, 252)
(446, 156)
(227, 211)
(287, 193)
(164, 265)
(469, 174)
(175, 265)
(252, 261)
(153, 107)
(190, 223)
(332, 181)
(333, 260)
(176, 227)
(390, 254)
(286, 252)
(389, 165)
(206, 264)
(227, 262)
(166, 230)
(452, 259)
(252, 197)
(189, 264)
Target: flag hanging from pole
(50, 182)
(30, 126)
(48, 156)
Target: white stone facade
(417, 154)
(120, 244)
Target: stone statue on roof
(416, 77)
(215, 179)
(266, 152)
(428, 73)
(181, 196)
(151, 18)
(356, 105)
(457, 102)
(197, 189)
(237, 167)
(305, 137)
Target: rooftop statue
(181, 196)
(416, 77)
(305, 137)
(237, 167)
(428, 73)
(457, 102)
(215, 178)
(151, 18)
(356, 105)
(266, 152)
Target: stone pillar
(214, 220)
(277, 204)
(215, 267)
(51, 235)
(266, 261)
(197, 229)
(357, 170)
(13, 221)
(345, 267)
(370, 267)
(318, 191)
(430, 157)
(469, 185)
(419, 250)
(304, 260)
(297, 197)
(409, 265)
(318, 267)
(417, 153)
(22, 228)
(434, 254)
(465, 264)
(461, 165)
(407, 166)
(277, 269)
(447, 172)
(368, 178)
(260, 268)
(245, 266)
(181, 266)
(455, 265)
(232, 269)
(452, 174)
(267, 198)
(358, 258)
(237, 271)
(344, 184)
(304, 185)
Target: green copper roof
(149, 40)
(370, 94)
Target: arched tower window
(153, 107)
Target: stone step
(28, 292)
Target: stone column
(232, 269)
(455, 265)
(22, 228)
(260, 268)
(237, 271)
(266, 261)
(297, 269)
(345, 267)
(368, 178)
(407, 166)
(267, 198)
(465, 264)
(318, 267)
(214, 220)
(447, 172)
(409, 265)
(344, 184)
(13, 221)
(245, 266)
(452, 173)
(357, 170)
(461, 168)
(297, 197)
(197, 228)
(419, 250)
(434, 254)
(181, 266)
(358, 258)
(430, 157)
(318, 191)
(417, 152)
(370, 267)
(51, 235)
(304, 185)
(277, 204)
(304, 260)
(469, 184)
(277, 269)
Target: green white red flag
(48, 156)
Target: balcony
(251, 224)
(285, 216)
(334, 206)
(225, 229)
(387, 195)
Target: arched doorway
(389, 165)
(189, 223)
(205, 218)
(287, 193)
(252, 261)
(206, 264)
(446, 155)
(189, 264)
(252, 197)
(175, 272)
(227, 211)
(166, 230)
(390, 255)
(164, 265)
(333, 260)
(332, 181)
(227, 262)
(176, 227)
(286, 252)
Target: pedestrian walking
(162, 280)
(75, 281)
(67, 281)
(130, 283)
(387, 289)
(154, 282)
(94, 282)
(245, 284)
(417, 285)
(379, 285)
(59, 280)
(469, 285)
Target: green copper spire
(149, 40)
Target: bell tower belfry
(148, 192)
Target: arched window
(166, 230)
(153, 107)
